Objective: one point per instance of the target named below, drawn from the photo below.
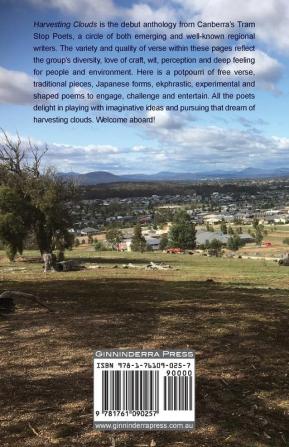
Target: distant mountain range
(98, 177)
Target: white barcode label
(144, 390)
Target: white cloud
(90, 150)
(207, 146)
(59, 153)
(165, 119)
(16, 87)
(85, 8)
(85, 92)
(267, 70)
(104, 9)
(138, 148)
(282, 144)
(144, 12)
(24, 140)
(271, 16)
(190, 148)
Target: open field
(237, 323)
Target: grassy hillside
(237, 322)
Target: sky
(193, 142)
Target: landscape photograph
(165, 236)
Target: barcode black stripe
(139, 390)
(178, 393)
(190, 394)
(130, 390)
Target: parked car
(175, 251)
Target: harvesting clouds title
(152, 24)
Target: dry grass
(239, 333)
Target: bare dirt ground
(240, 335)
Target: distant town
(217, 208)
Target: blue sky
(176, 142)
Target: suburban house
(203, 237)
(88, 231)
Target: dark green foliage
(11, 251)
(98, 246)
(14, 220)
(162, 216)
(60, 256)
(138, 242)
(53, 218)
(230, 230)
(12, 231)
(259, 235)
(255, 223)
(114, 237)
(210, 227)
(182, 233)
(215, 248)
(181, 216)
(235, 242)
(32, 201)
(164, 242)
(90, 239)
(259, 232)
(224, 228)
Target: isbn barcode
(130, 390)
(178, 393)
(148, 389)
(139, 390)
